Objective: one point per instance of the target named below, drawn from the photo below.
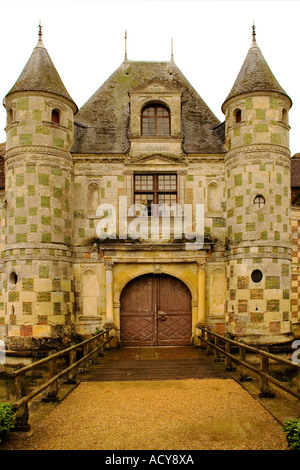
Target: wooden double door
(155, 311)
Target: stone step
(112, 370)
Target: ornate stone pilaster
(201, 292)
(109, 292)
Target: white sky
(85, 40)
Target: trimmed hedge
(7, 418)
(292, 431)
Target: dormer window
(55, 116)
(155, 120)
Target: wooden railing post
(85, 365)
(106, 336)
(72, 374)
(208, 349)
(244, 377)
(265, 391)
(202, 344)
(21, 417)
(217, 352)
(101, 341)
(53, 389)
(228, 363)
(94, 345)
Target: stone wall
(295, 278)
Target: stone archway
(156, 309)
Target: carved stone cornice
(38, 149)
(246, 149)
(258, 153)
(98, 158)
(34, 153)
(207, 157)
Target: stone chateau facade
(146, 138)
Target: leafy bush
(292, 430)
(7, 418)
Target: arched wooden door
(155, 310)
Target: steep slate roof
(255, 75)
(295, 180)
(103, 122)
(295, 171)
(40, 74)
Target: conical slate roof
(40, 74)
(103, 122)
(255, 75)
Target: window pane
(163, 126)
(148, 126)
(145, 199)
(168, 199)
(155, 121)
(143, 182)
(167, 182)
(259, 201)
(150, 111)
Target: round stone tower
(38, 185)
(258, 204)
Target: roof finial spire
(125, 44)
(40, 34)
(253, 35)
(40, 31)
(172, 55)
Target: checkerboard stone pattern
(260, 240)
(295, 302)
(38, 271)
(258, 165)
(2, 274)
(259, 308)
(38, 209)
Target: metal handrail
(23, 398)
(263, 372)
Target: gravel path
(207, 414)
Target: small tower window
(10, 116)
(259, 201)
(13, 278)
(156, 120)
(238, 115)
(55, 116)
(256, 275)
(284, 116)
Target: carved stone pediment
(156, 159)
(154, 86)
